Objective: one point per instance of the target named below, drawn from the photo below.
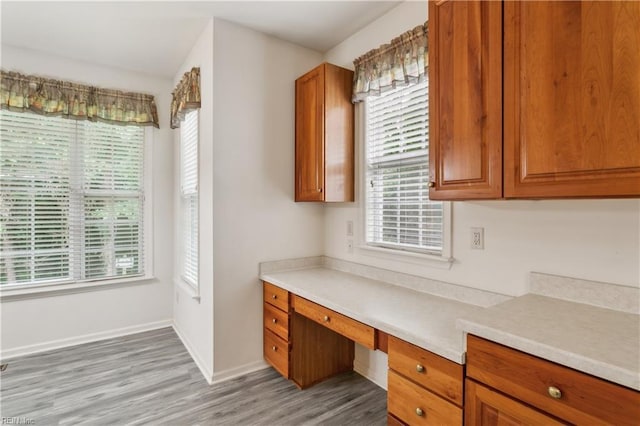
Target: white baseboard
(232, 373)
(78, 340)
(377, 376)
(206, 372)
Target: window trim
(56, 287)
(445, 260)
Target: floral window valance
(186, 96)
(401, 62)
(21, 93)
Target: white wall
(590, 239)
(46, 322)
(254, 216)
(193, 318)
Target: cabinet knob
(273, 296)
(319, 189)
(419, 412)
(554, 392)
(274, 348)
(431, 184)
(274, 320)
(326, 318)
(420, 368)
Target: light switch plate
(349, 228)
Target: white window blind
(71, 199)
(189, 197)
(399, 214)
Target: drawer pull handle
(420, 368)
(554, 392)
(326, 318)
(274, 320)
(273, 296)
(419, 412)
(274, 348)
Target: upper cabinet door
(572, 99)
(465, 99)
(310, 136)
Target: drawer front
(276, 296)
(276, 353)
(583, 399)
(354, 330)
(415, 405)
(434, 372)
(276, 321)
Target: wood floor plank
(149, 378)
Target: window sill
(423, 259)
(187, 288)
(34, 291)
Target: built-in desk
(312, 318)
(313, 315)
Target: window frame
(27, 290)
(444, 260)
(192, 287)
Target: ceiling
(155, 37)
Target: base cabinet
(424, 388)
(485, 406)
(539, 391)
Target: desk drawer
(415, 405)
(438, 374)
(584, 399)
(276, 352)
(276, 296)
(277, 321)
(350, 328)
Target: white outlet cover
(477, 238)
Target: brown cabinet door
(486, 407)
(310, 136)
(465, 99)
(572, 99)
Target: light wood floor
(149, 378)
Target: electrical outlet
(477, 238)
(349, 228)
(350, 246)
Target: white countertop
(420, 318)
(598, 341)
(603, 340)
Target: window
(189, 197)
(71, 200)
(398, 212)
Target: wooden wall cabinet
(324, 135)
(534, 99)
(506, 386)
(465, 100)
